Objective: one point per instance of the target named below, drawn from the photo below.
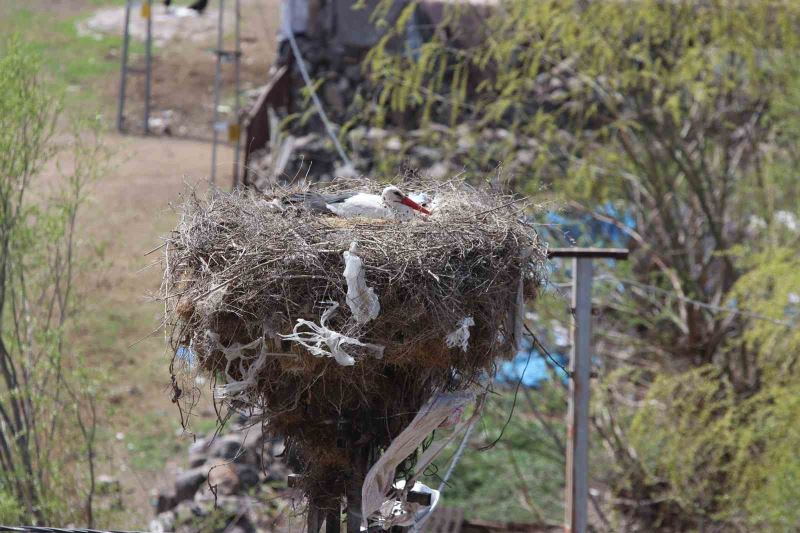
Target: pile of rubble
(234, 483)
(302, 148)
(435, 151)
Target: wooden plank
(605, 253)
(577, 473)
(276, 94)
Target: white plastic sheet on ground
(362, 300)
(460, 336)
(321, 341)
(377, 502)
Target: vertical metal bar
(237, 102)
(359, 464)
(217, 83)
(148, 67)
(123, 76)
(333, 522)
(314, 518)
(577, 473)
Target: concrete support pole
(577, 474)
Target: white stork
(391, 204)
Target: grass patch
(520, 478)
(147, 447)
(72, 62)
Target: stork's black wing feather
(314, 201)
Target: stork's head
(399, 203)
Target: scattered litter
(400, 512)
(380, 478)
(362, 300)
(460, 336)
(320, 335)
(236, 352)
(180, 23)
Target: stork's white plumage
(392, 204)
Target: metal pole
(148, 67)
(237, 102)
(577, 491)
(123, 77)
(217, 81)
(333, 521)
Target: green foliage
(677, 123)
(527, 462)
(10, 509)
(47, 402)
(69, 60)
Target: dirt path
(128, 211)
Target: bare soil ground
(184, 68)
(127, 212)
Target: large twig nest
(240, 273)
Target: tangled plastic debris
(324, 342)
(460, 336)
(362, 300)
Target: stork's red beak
(414, 205)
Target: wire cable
(287, 30)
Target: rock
(163, 522)
(165, 501)
(233, 478)
(425, 153)
(525, 157)
(377, 134)
(345, 171)
(254, 440)
(394, 144)
(465, 142)
(223, 478)
(227, 447)
(353, 72)
(199, 446)
(278, 448)
(277, 471)
(248, 476)
(188, 482)
(196, 460)
(187, 512)
(438, 170)
(333, 97)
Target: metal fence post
(123, 77)
(237, 102)
(578, 416)
(576, 509)
(148, 67)
(217, 83)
